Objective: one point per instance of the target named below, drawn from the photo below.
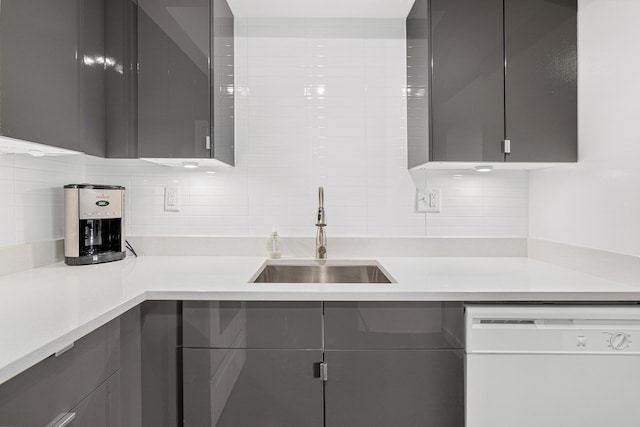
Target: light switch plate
(172, 199)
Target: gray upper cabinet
(541, 80)
(120, 78)
(467, 94)
(40, 72)
(500, 70)
(93, 64)
(180, 95)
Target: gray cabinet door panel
(418, 65)
(222, 82)
(467, 89)
(252, 324)
(40, 72)
(57, 384)
(541, 80)
(93, 77)
(121, 43)
(173, 78)
(393, 325)
(101, 408)
(394, 388)
(241, 388)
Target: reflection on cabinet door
(394, 388)
(393, 325)
(173, 78)
(252, 324)
(240, 387)
(101, 408)
(467, 91)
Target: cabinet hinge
(323, 371)
(506, 146)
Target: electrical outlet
(428, 201)
(172, 199)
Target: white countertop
(45, 309)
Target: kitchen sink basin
(321, 272)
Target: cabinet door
(252, 324)
(40, 72)
(101, 408)
(93, 65)
(173, 78)
(467, 90)
(394, 388)
(55, 385)
(418, 64)
(240, 387)
(541, 80)
(120, 23)
(222, 82)
(393, 325)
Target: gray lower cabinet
(252, 363)
(252, 387)
(101, 408)
(322, 364)
(408, 388)
(56, 385)
(394, 363)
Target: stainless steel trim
(64, 349)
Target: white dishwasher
(552, 366)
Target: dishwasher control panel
(552, 329)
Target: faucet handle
(321, 197)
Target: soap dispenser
(274, 245)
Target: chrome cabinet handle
(62, 420)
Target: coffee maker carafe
(94, 223)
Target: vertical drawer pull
(62, 420)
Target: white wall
(319, 102)
(596, 203)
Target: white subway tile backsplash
(319, 102)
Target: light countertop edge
(43, 310)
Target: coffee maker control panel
(97, 203)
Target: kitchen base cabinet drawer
(240, 387)
(372, 325)
(252, 324)
(101, 408)
(57, 384)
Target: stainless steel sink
(321, 272)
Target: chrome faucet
(321, 222)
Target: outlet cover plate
(172, 199)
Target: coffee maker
(94, 224)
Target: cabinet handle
(62, 420)
(506, 146)
(207, 142)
